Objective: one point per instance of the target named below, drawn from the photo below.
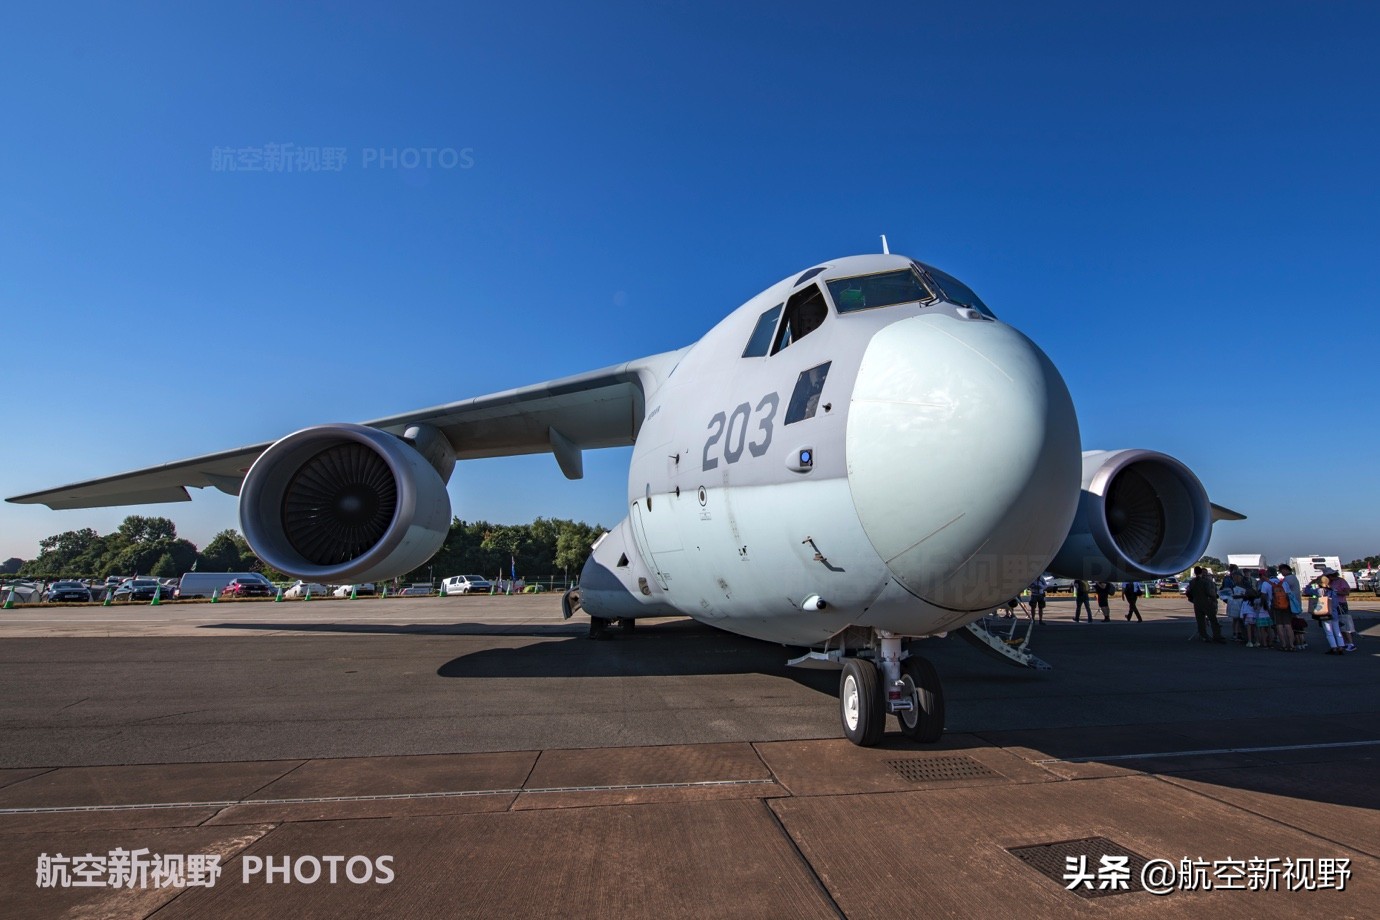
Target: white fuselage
(942, 474)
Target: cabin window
(808, 387)
(885, 289)
(760, 343)
(805, 312)
(809, 274)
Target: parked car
(205, 584)
(68, 591)
(1169, 584)
(300, 589)
(249, 587)
(467, 584)
(140, 589)
(364, 590)
(418, 590)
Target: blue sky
(1179, 203)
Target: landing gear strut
(908, 687)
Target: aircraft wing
(602, 408)
(1225, 514)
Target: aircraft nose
(963, 458)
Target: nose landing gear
(908, 687)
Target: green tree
(227, 552)
(573, 546)
(11, 565)
(165, 567)
(72, 552)
(139, 529)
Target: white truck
(1308, 568)
(1250, 562)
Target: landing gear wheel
(924, 723)
(598, 628)
(626, 625)
(860, 702)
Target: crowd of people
(1266, 608)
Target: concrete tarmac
(510, 767)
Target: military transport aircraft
(859, 457)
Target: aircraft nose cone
(963, 458)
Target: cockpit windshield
(955, 291)
(885, 289)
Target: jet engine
(346, 503)
(1141, 515)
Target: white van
(467, 584)
(203, 584)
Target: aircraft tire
(627, 624)
(861, 707)
(924, 723)
(598, 628)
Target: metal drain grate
(931, 769)
(1055, 861)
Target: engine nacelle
(1141, 515)
(346, 503)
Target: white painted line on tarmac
(1211, 751)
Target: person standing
(1037, 599)
(1202, 592)
(1129, 592)
(1322, 608)
(1341, 594)
(1264, 619)
(1104, 600)
(1232, 593)
(1080, 599)
(1281, 608)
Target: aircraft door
(639, 530)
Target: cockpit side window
(955, 291)
(805, 312)
(760, 342)
(883, 289)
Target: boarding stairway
(1005, 638)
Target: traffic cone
(107, 601)
(215, 595)
(384, 593)
(278, 598)
(442, 592)
(307, 596)
(156, 592)
(9, 601)
(352, 592)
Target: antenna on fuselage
(885, 250)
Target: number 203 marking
(732, 430)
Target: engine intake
(1141, 514)
(345, 503)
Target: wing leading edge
(602, 408)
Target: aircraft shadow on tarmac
(665, 648)
(405, 629)
(1052, 706)
(1106, 699)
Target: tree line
(545, 548)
